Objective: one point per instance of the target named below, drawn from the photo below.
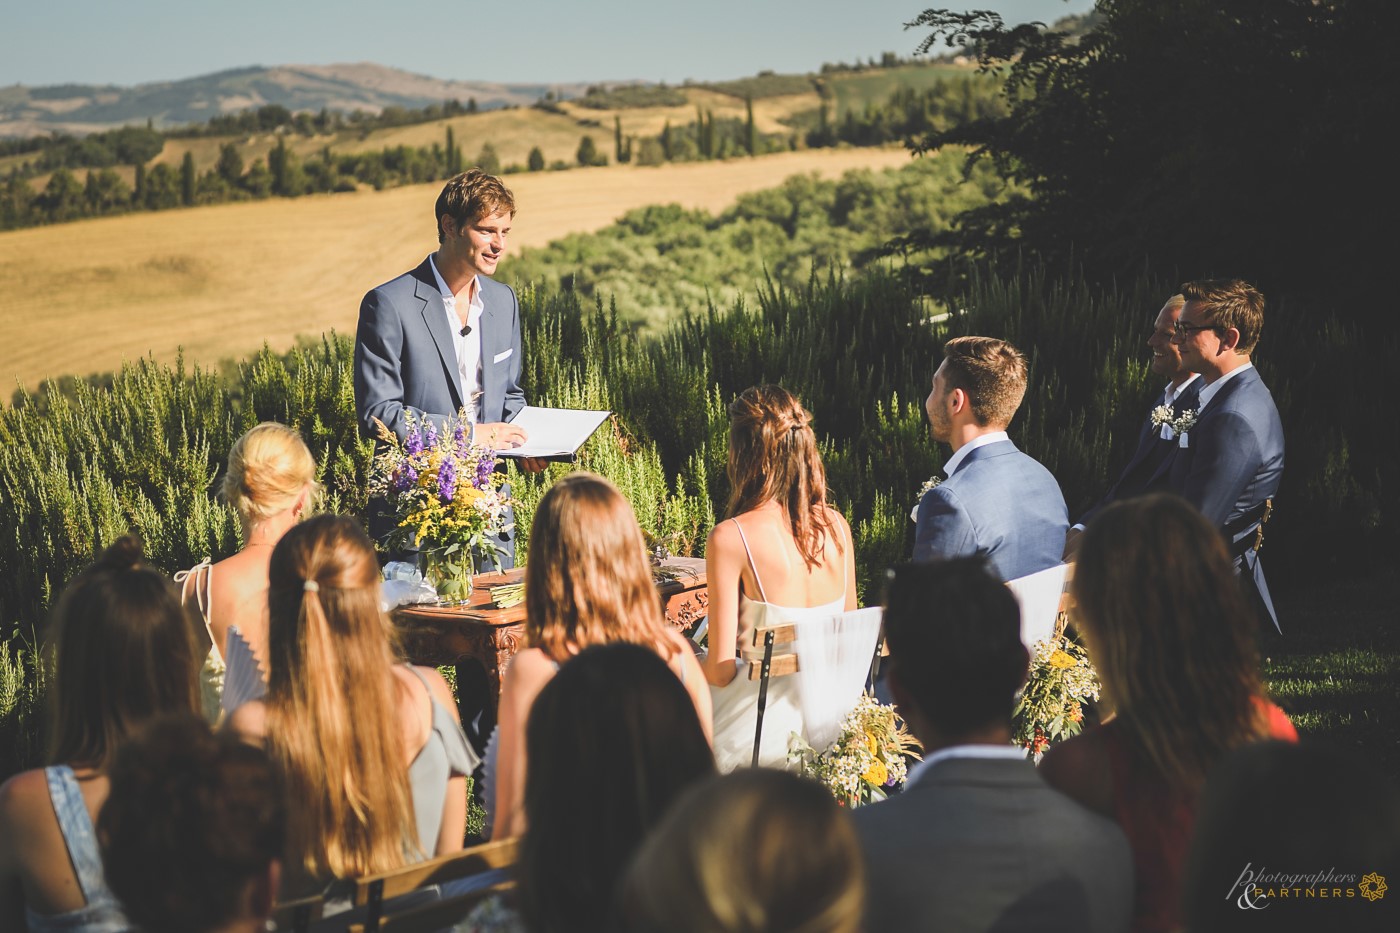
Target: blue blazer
(999, 504)
(1230, 462)
(1153, 458)
(404, 357)
(404, 360)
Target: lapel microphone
(466, 329)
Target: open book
(554, 433)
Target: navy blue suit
(999, 504)
(1153, 458)
(1231, 461)
(405, 360)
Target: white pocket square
(503, 354)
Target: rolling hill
(84, 108)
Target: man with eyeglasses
(1157, 443)
(1229, 459)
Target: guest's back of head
(612, 740)
(1170, 634)
(992, 372)
(192, 829)
(954, 631)
(588, 581)
(1276, 810)
(124, 653)
(754, 851)
(269, 467)
(332, 704)
(773, 456)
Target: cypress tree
(666, 140)
(454, 164)
(750, 132)
(188, 180)
(138, 194)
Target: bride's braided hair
(773, 456)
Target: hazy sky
(134, 41)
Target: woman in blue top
(125, 654)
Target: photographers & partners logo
(1260, 889)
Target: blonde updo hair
(784, 858)
(268, 467)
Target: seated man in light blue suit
(995, 501)
(445, 337)
(978, 841)
(1230, 461)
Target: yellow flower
(872, 744)
(1060, 659)
(876, 774)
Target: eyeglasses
(1183, 329)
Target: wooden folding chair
(782, 664)
(373, 890)
(368, 895)
(430, 918)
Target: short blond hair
(268, 467)
(993, 374)
(470, 196)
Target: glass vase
(450, 573)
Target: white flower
(1161, 415)
(1185, 421)
(930, 484)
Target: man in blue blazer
(1157, 446)
(995, 501)
(444, 337)
(1230, 460)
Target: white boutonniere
(1162, 415)
(1171, 424)
(1184, 423)
(933, 482)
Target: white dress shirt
(963, 751)
(981, 440)
(1209, 392)
(467, 346)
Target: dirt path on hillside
(219, 281)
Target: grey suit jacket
(999, 504)
(404, 357)
(980, 844)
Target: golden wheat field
(218, 281)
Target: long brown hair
(1171, 634)
(125, 653)
(332, 704)
(612, 740)
(773, 457)
(588, 581)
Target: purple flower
(401, 480)
(414, 443)
(460, 443)
(447, 479)
(484, 467)
(432, 435)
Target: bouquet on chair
(444, 496)
(1051, 707)
(867, 758)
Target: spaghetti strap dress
(736, 703)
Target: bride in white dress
(783, 555)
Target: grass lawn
(1337, 670)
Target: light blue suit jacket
(999, 504)
(1232, 462)
(404, 358)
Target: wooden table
(480, 640)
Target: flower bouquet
(444, 496)
(866, 758)
(1051, 708)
